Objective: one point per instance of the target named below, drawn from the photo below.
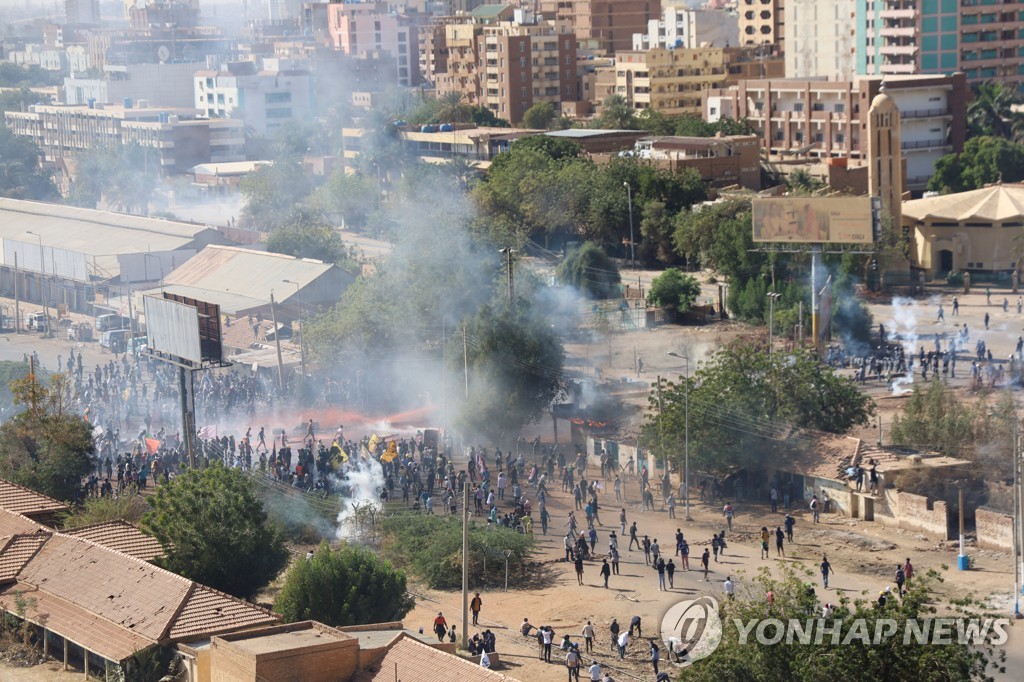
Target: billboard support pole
(815, 276)
(188, 416)
(277, 342)
(17, 300)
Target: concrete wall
(912, 512)
(320, 663)
(839, 494)
(994, 529)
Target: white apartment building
(159, 85)
(821, 39)
(264, 99)
(680, 27)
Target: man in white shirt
(595, 672)
(730, 587)
(588, 637)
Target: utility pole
(800, 322)
(17, 301)
(632, 244)
(661, 423)
(686, 431)
(508, 251)
(465, 359)
(444, 380)
(771, 319)
(465, 561)
(42, 277)
(277, 342)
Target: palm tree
(990, 113)
(451, 109)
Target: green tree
(539, 117)
(349, 198)
(20, 100)
(673, 290)
(485, 118)
(515, 370)
(983, 161)
(852, 653)
(744, 403)
(271, 193)
(307, 235)
(20, 174)
(122, 175)
(990, 111)
(213, 530)
(18, 76)
(616, 114)
(589, 269)
(656, 231)
(46, 446)
(128, 508)
(348, 586)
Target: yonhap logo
(691, 630)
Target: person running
(826, 569)
(705, 560)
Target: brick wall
(912, 512)
(994, 529)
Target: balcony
(898, 31)
(925, 144)
(898, 68)
(926, 113)
(908, 50)
(898, 13)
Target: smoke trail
(904, 330)
(360, 486)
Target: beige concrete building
(504, 65)
(762, 22)
(976, 231)
(669, 81)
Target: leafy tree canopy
(213, 529)
(589, 269)
(540, 116)
(271, 193)
(307, 235)
(124, 176)
(984, 160)
(845, 655)
(616, 114)
(348, 586)
(20, 174)
(743, 403)
(46, 447)
(18, 76)
(674, 290)
(515, 363)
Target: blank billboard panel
(210, 340)
(69, 265)
(817, 220)
(172, 328)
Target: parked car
(115, 340)
(37, 321)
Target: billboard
(172, 328)
(69, 265)
(814, 220)
(210, 342)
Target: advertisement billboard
(814, 220)
(69, 265)
(172, 328)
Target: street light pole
(42, 276)
(686, 431)
(302, 330)
(632, 244)
(508, 251)
(771, 319)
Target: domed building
(977, 231)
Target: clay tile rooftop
(121, 536)
(19, 500)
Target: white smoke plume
(903, 328)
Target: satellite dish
(163, 53)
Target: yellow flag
(374, 440)
(390, 453)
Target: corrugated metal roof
(241, 279)
(121, 536)
(20, 500)
(101, 235)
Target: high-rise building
(82, 11)
(265, 98)
(681, 27)
(358, 29)
(821, 39)
(504, 65)
(981, 38)
(762, 22)
(602, 26)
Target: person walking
(779, 538)
(440, 626)
(588, 637)
(614, 630)
(613, 554)
(474, 606)
(764, 542)
(705, 560)
(633, 538)
(901, 578)
(655, 656)
(826, 569)
(670, 570)
(605, 572)
(684, 554)
(908, 570)
(572, 663)
(789, 523)
(659, 566)
(815, 508)
(728, 512)
(730, 588)
(647, 550)
(579, 568)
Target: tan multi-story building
(603, 26)
(506, 66)
(364, 28)
(673, 81)
(762, 22)
(819, 119)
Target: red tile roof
(417, 662)
(77, 624)
(21, 500)
(208, 612)
(13, 524)
(16, 552)
(121, 536)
